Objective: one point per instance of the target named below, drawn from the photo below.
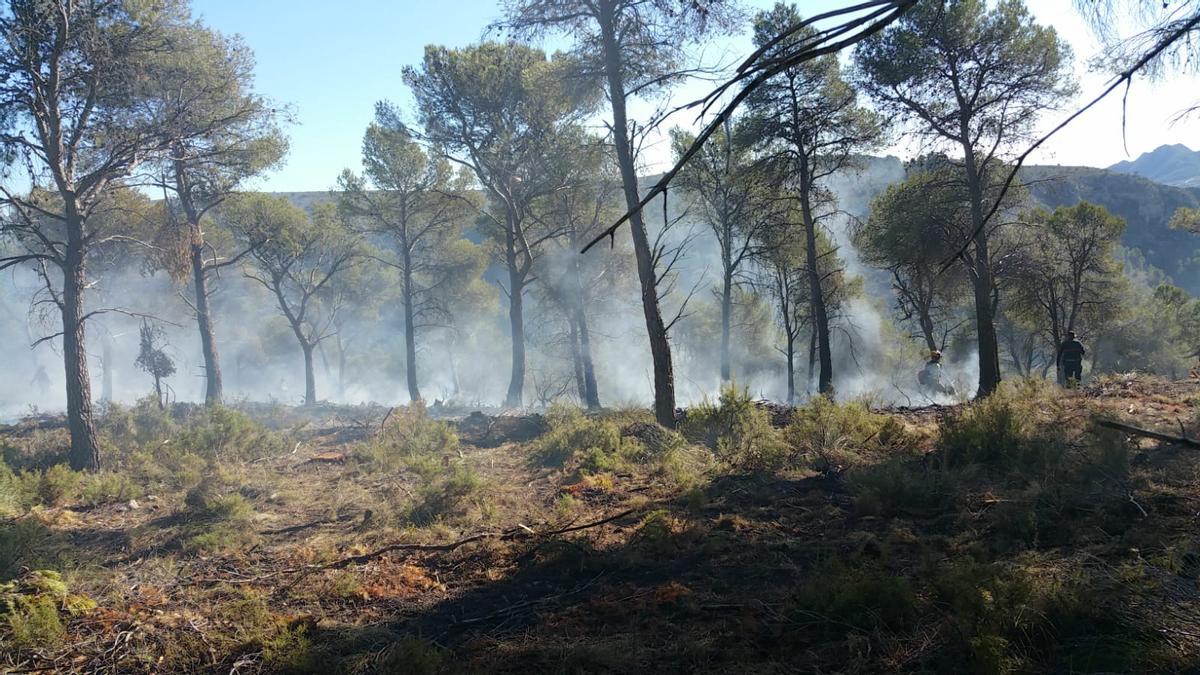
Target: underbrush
(1015, 462)
(831, 436)
(143, 449)
(33, 609)
(411, 441)
(595, 447)
(215, 518)
(822, 434)
(738, 431)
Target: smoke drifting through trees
(384, 287)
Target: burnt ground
(634, 573)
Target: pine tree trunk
(591, 392)
(410, 332)
(656, 330)
(576, 358)
(812, 357)
(208, 344)
(592, 398)
(516, 320)
(341, 381)
(85, 449)
(726, 318)
(791, 370)
(817, 299)
(985, 325)
(310, 376)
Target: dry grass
(934, 547)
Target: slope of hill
(1145, 205)
(1170, 164)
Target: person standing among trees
(1070, 360)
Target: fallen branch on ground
(316, 523)
(506, 535)
(1156, 435)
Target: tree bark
(656, 330)
(817, 296)
(812, 357)
(310, 375)
(516, 321)
(410, 331)
(213, 389)
(982, 279)
(85, 449)
(791, 370)
(726, 318)
(592, 391)
(576, 358)
(341, 381)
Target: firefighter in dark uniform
(1070, 360)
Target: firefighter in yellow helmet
(930, 377)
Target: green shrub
(896, 486)
(412, 655)
(411, 440)
(445, 496)
(738, 430)
(40, 449)
(859, 594)
(18, 491)
(167, 465)
(572, 435)
(107, 487)
(1019, 427)
(21, 491)
(833, 435)
(19, 540)
(290, 650)
(216, 520)
(220, 433)
(129, 428)
(58, 485)
(31, 608)
(1007, 617)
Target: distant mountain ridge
(1145, 203)
(1176, 165)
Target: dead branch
(316, 523)
(1156, 435)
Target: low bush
(216, 520)
(833, 435)
(223, 434)
(445, 496)
(32, 608)
(411, 440)
(738, 430)
(597, 443)
(859, 594)
(107, 487)
(1019, 428)
(1002, 615)
(897, 486)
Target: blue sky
(330, 62)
